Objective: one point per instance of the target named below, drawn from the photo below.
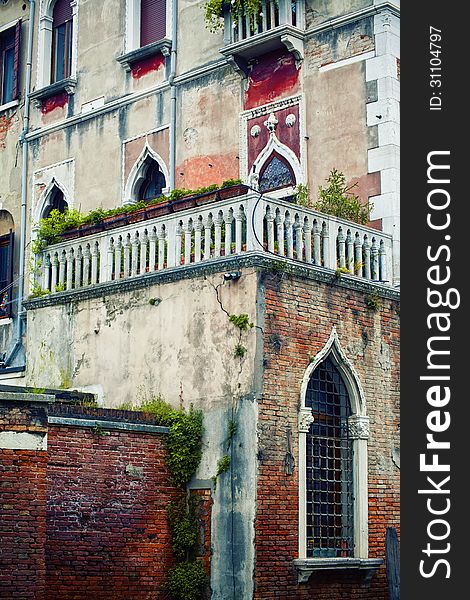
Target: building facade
(234, 297)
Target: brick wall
(107, 528)
(22, 502)
(300, 315)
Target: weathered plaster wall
(181, 347)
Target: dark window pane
(276, 175)
(8, 75)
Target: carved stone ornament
(271, 123)
(359, 427)
(305, 419)
(290, 120)
(255, 131)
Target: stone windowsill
(65, 85)
(307, 566)
(127, 60)
(8, 105)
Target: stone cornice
(258, 260)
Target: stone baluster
(366, 248)
(325, 236)
(117, 258)
(316, 244)
(69, 275)
(144, 240)
(228, 232)
(94, 263)
(178, 238)
(270, 229)
(307, 240)
(161, 247)
(374, 260)
(349, 252)
(86, 265)
(127, 255)
(280, 234)
(299, 242)
(197, 240)
(78, 267)
(289, 236)
(358, 255)
(187, 241)
(341, 248)
(207, 237)
(383, 261)
(55, 268)
(239, 218)
(46, 271)
(152, 236)
(135, 254)
(109, 260)
(62, 262)
(217, 235)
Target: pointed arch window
(329, 466)
(276, 174)
(55, 201)
(153, 181)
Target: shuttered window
(10, 41)
(61, 40)
(152, 21)
(6, 274)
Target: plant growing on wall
(214, 11)
(338, 200)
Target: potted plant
(231, 188)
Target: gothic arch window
(276, 173)
(329, 465)
(333, 433)
(55, 200)
(152, 181)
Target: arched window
(62, 19)
(333, 434)
(276, 174)
(56, 201)
(153, 181)
(329, 465)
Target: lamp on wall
(232, 276)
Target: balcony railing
(274, 13)
(232, 227)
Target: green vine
(373, 301)
(241, 321)
(186, 579)
(214, 11)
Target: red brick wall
(107, 528)
(22, 508)
(300, 315)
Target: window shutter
(16, 62)
(152, 21)
(10, 271)
(62, 12)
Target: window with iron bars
(329, 465)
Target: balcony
(281, 24)
(235, 227)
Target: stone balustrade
(273, 14)
(232, 227)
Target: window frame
(358, 431)
(12, 29)
(66, 61)
(7, 240)
(133, 25)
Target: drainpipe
(24, 172)
(171, 81)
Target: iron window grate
(330, 498)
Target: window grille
(329, 465)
